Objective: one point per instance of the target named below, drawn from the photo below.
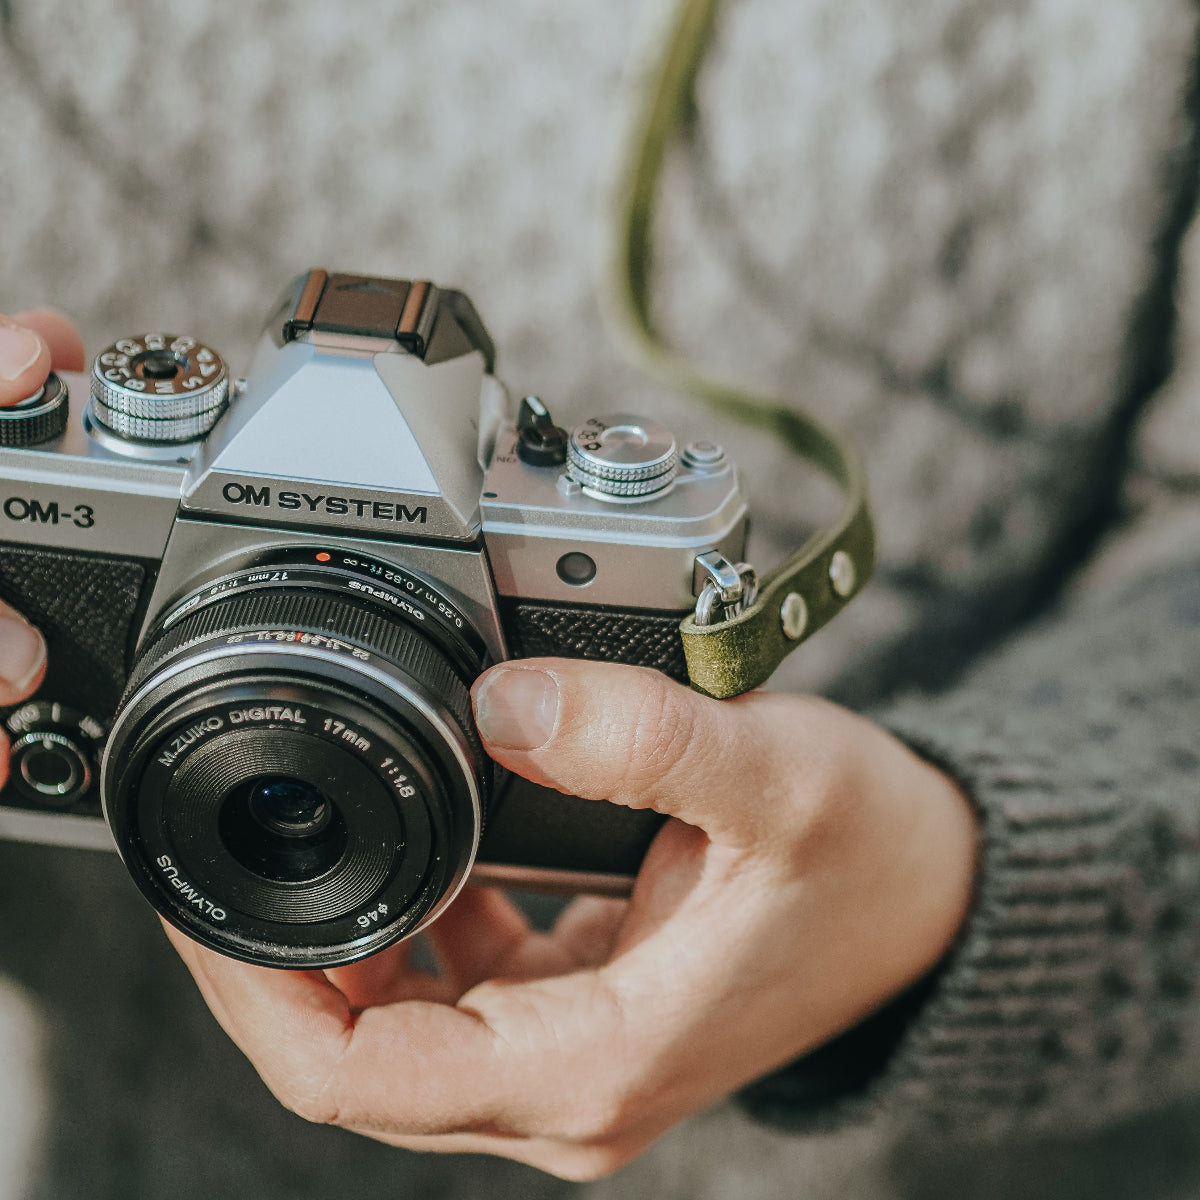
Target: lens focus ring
(293, 617)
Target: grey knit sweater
(1071, 998)
(963, 230)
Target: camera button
(50, 767)
(576, 569)
(37, 418)
(622, 457)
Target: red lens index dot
(323, 557)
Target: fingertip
(22, 657)
(590, 927)
(387, 977)
(24, 361)
(59, 334)
(516, 706)
(479, 929)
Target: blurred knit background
(960, 229)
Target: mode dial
(622, 457)
(37, 418)
(159, 388)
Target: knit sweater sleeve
(1073, 996)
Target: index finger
(393, 1069)
(588, 1057)
(24, 361)
(415, 1068)
(59, 334)
(32, 344)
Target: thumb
(632, 736)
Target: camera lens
(294, 777)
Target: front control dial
(50, 767)
(53, 754)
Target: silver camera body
(165, 524)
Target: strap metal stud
(793, 616)
(842, 574)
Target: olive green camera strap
(814, 584)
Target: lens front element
(282, 828)
(288, 807)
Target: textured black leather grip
(638, 637)
(88, 607)
(85, 605)
(532, 826)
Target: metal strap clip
(725, 589)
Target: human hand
(30, 344)
(816, 868)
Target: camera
(266, 598)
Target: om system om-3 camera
(265, 601)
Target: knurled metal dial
(622, 457)
(160, 387)
(37, 418)
(52, 754)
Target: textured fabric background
(956, 230)
(957, 227)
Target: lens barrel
(294, 777)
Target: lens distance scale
(396, 590)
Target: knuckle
(619, 1091)
(821, 795)
(310, 1089)
(596, 1121)
(662, 734)
(315, 1107)
(586, 1164)
(605, 1113)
